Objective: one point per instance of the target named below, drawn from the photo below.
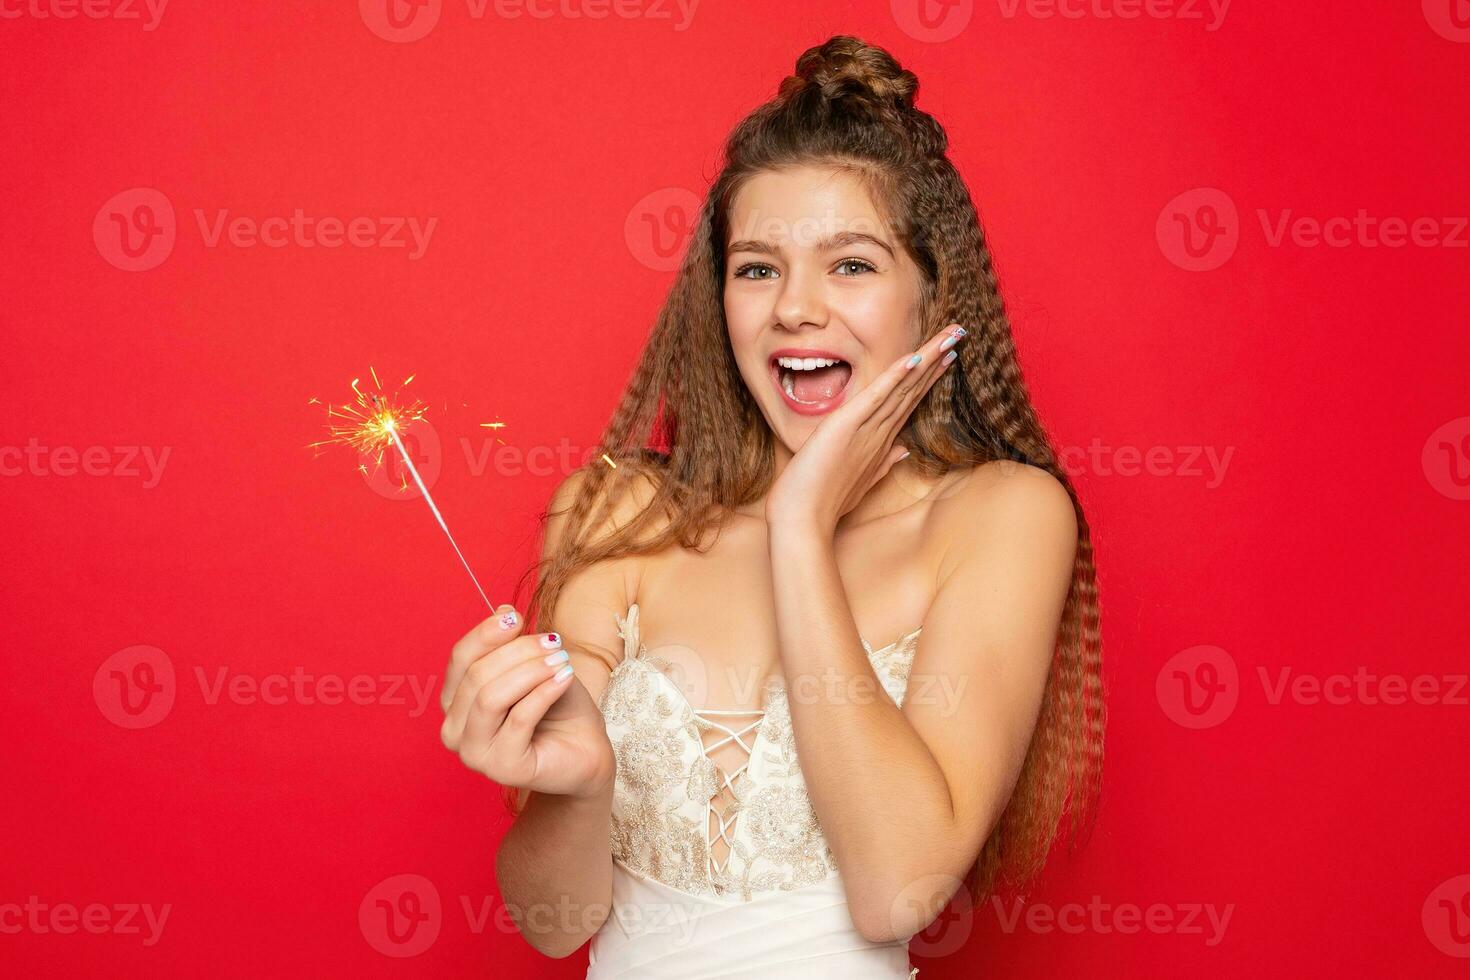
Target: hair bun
(847, 66)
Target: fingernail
(508, 620)
(958, 332)
(948, 358)
(559, 657)
(914, 360)
(562, 674)
(904, 456)
(551, 641)
(949, 342)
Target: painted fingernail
(508, 620)
(950, 342)
(562, 674)
(949, 358)
(958, 331)
(551, 641)
(559, 657)
(904, 456)
(913, 360)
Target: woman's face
(820, 297)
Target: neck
(893, 492)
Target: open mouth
(810, 384)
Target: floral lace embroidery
(665, 781)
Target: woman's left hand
(852, 448)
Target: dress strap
(629, 631)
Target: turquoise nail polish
(914, 360)
(949, 343)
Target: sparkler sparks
(371, 426)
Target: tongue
(821, 384)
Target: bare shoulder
(618, 503)
(596, 591)
(1005, 502)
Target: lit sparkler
(371, 426)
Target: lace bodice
(726, 830)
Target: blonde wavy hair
(689, 429)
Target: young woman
(827, 441)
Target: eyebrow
(840, 240)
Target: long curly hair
(688, 427)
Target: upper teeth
(806, 363)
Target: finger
(513, 736)
(490, 634)
(937, 354)
(496, 691)
(489, 669)
(876, 395)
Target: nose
(800, 305)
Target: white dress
(746, 889)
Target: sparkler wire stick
(413, 472)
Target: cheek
(885, 324)
(743, 331)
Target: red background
(1334, 541)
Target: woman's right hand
(514, 712)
